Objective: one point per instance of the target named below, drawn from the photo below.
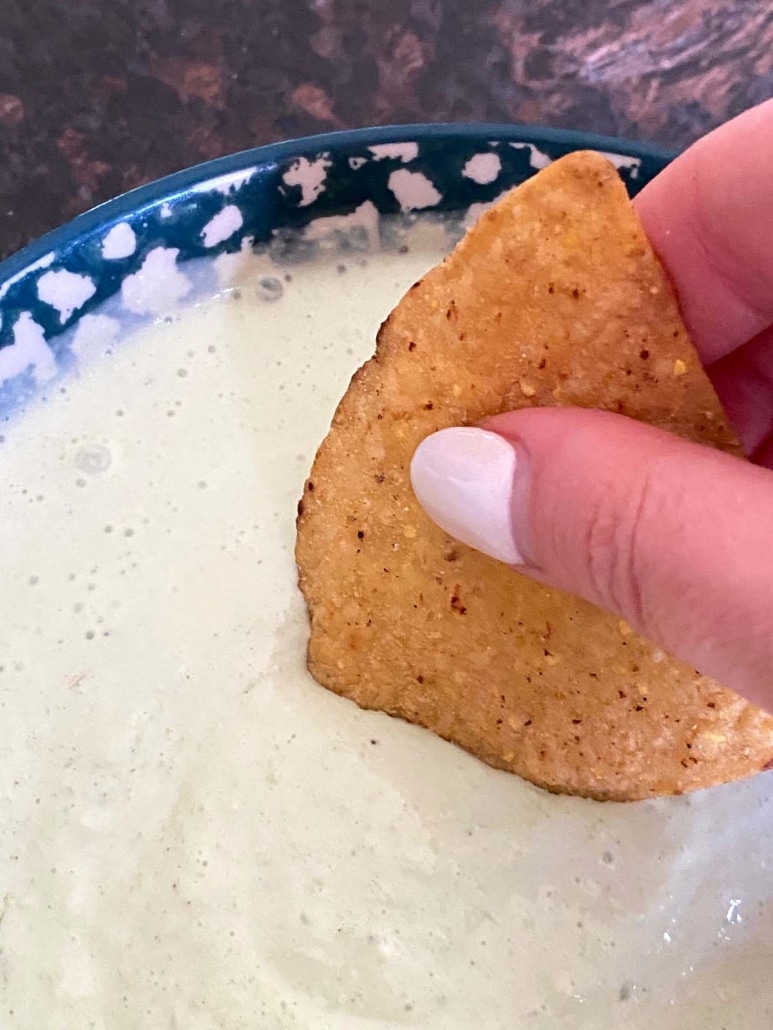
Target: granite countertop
(98, 96)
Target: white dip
(195, 836)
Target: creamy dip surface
(193, 834)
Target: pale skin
(675, 538)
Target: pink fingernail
(463, 478)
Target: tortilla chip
(554, 298)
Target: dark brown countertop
(98, 96)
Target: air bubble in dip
(269, 288)
(93, 459)
(627, 990)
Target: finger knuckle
(617, 551)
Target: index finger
(709, 216)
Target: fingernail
(463, 478)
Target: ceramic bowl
(246, 199)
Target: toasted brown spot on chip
(570, 228)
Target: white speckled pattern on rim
(135, 246)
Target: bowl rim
(176, 183)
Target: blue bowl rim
(180, 182)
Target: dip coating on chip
(555, 297)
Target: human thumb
(674, 537)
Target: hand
(675, 538)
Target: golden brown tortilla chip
(555, 297)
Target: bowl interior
(440, 893)
(245, 200)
